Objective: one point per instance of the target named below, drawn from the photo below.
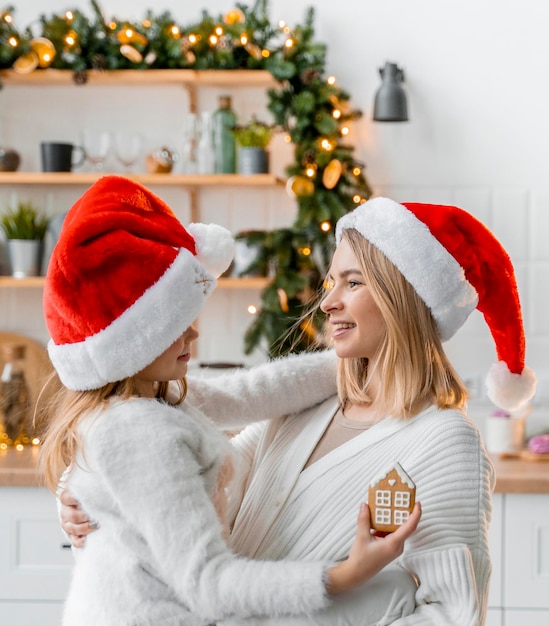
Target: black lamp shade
(390, 104)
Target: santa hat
(455, 264)
(124, 282)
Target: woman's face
(170, 365)
(357, 326)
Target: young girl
(124, 284)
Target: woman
(124, 284)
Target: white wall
(478, 135)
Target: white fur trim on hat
(141, 334)
(509, 391)
(214, 246)
(409, 244)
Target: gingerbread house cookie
(391, 499)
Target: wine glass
(97, 144)
(127, 148)
(190, 138)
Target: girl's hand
(369, 554)
(74, 521)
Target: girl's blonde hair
(411, 365)
(65, 411)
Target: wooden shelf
(177, 180)
(139, 78)
(258, 282)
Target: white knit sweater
(311, 514)
(147, 476)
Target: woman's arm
(286, 385)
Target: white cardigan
(147, 476)
(311, 514)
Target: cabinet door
(526, 618)
(496, 550)
(31, 613)
(34, 564)
(494, 617)
(526, 565)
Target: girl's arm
(286, 385)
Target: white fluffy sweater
(147, 476)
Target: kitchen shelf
(114, 78)
(254, 282)
(174, 180)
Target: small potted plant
(252, 140)
(25, 228)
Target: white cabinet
(35, 564)
(519, 543)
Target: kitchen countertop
(18, 469)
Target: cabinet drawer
(34, 564)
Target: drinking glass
(97, 144)
(127, 148)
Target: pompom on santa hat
(124, 281)
(455, 264)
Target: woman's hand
(74, 521)
(369, 554)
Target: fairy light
(3, 446)
(13, 42)
(305, 251)
(336, 114)
(356, 170)
(252, 309)
(345, 130)
(286, 29)
(243, 39)
(326, 145)
(331, 80)
(218, 31)
(287, 138)
(281, 24)
(325, 227)
(8, 18)
(213, 39)
(69, 16)
(129, 33)
(36, 441)
(310, 171)
(113, 25)
(289, 43)
(357, 199)
(146, 23)
(265, 53)
(19, 447)
(70, 39)
(193, 38)
(175, 32)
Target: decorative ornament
(99, 62)
(234, 17)
(299, 186)
(44, 49)
(332, 174)
(283, 299)
(131, 53)
(80, 77)
(26, 63)
(131, 36)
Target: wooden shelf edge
(184, 180)
(143, 78)
(37, 282)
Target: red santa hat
(124, 282)
(455, 264)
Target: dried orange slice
(44, 49)
(299, 186)
(332, 174)
(26, 63)
(131, 53)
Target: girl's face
(170, 365)
(355, 319)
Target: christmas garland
(310, 107)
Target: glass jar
(16, 421)
(224, 120)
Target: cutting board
(37, 363)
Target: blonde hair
(67, 409)
(411, 365)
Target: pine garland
(310, 107)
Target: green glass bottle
(224, 120)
